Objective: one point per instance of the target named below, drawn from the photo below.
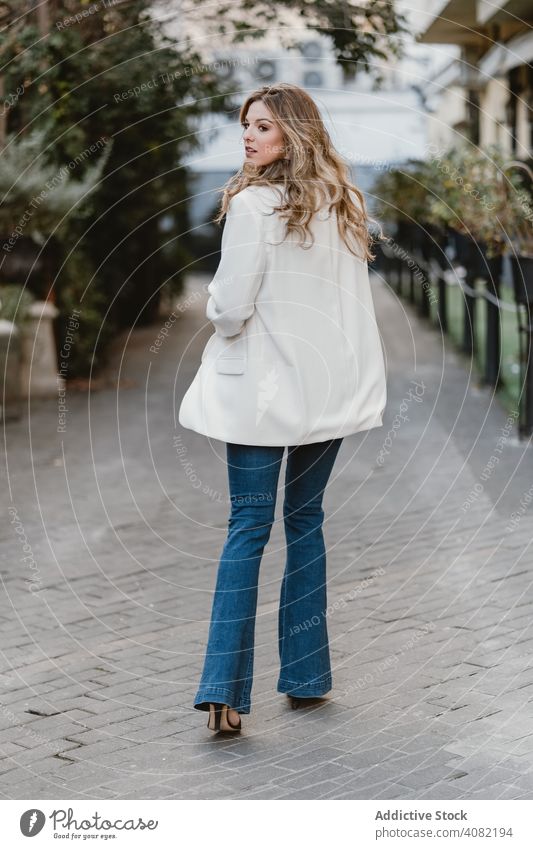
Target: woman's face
(263, 139)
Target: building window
(266, 70)
(311, 50)
(313, 79)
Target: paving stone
(431, 658)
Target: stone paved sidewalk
(121, 520)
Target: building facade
(485, 94)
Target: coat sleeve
(238, 277)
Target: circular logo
(31, 822)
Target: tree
(360, 33)
(113, 75)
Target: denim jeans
(303, 646)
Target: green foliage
(80, 297)
(14, 303)
(360, 33)
(475, 194)
(471, 190)
(114, 77)
(402, 193)
(518, 220)
(36, 196)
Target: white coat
(296, 354)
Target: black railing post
(526, 370)
(424, 307)
(522, 271)
(443, 312)
(469, 316)
(411, 262)
(399, 275)
(492, 336)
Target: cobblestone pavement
(109, 553)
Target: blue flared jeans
(305, 668)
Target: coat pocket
(231, 365)
(232, 358)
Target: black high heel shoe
(219, 719)
(303, 701)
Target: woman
(295, 361)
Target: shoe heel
(213, 723)
(219, 720)
(225, 724)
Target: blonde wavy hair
(314, 173)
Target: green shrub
(14, 303)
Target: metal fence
(472, 300)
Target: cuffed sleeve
(234, 287)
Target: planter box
(39, 373)
(10, 362)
